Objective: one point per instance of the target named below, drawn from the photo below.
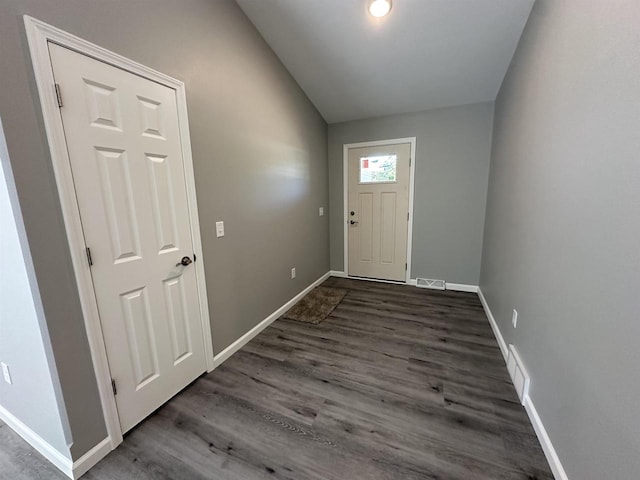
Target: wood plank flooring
(398, 383)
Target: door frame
(39, 34)
(345, 190)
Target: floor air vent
(430, 283)
(518, 373)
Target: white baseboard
(71, 469)
(549, 451)
(456, 287)
(63, 463)
(246, 338)
(92, 457)
(461, 287)
(552, 456)
(494, 326)
(336, 273)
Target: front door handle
(184, 262)
(353, 222)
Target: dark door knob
(352, 213)
(184, 262)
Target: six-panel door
(125, 150)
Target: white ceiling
(424, 54)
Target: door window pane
(379, 169)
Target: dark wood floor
(398, 383)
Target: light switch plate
(321, 211)
(219, 229)
(293, 272)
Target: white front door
(124, 145)
(378, 211)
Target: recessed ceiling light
(379, 8)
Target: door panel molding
(39, 35)
(345, 190)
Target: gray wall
(563, 223)
(259, 149)
(452, 166)
(24, 346)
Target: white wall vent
(430, 283)
(519, 375)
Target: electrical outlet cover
(5, 373)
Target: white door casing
(378, 213)
(124, 146)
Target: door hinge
(410, 161)
(406, 266)
(113, 386)
(194, 257)
(58, 94)
(407, 216)
(89, 259)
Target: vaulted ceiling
(425, 54)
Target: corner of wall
(536, 421)
(32, 404)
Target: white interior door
(378, 211)
(124, 145)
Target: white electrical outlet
(219, 229)
(321, 211)
(5, 373)
(514, 318)
(293, 272)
